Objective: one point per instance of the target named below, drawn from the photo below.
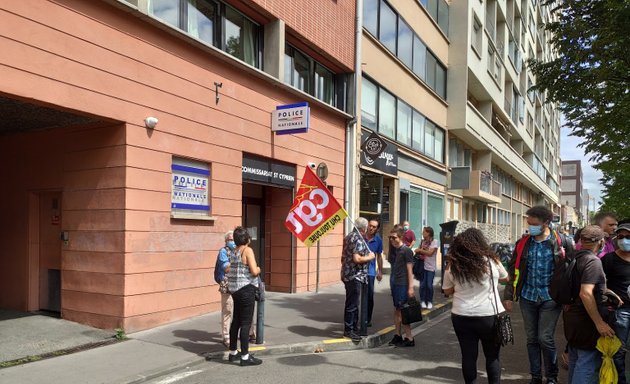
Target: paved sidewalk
(305, 322)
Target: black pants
(244, 300)
(370, 298)
(351, 309)
(470, 330)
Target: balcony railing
(483, 187)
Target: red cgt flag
(315, 212)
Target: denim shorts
(399, 294)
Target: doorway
(50, 251)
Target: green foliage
(591, 81)
(120, 334)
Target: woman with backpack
(471, 276)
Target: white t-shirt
(474, 299)
(429, 261)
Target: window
(429, 136)
(399, 121)
(419, 58)
(214, 23)
(477, 34)
(417, 135)
(387, 27)
(438, 9)
(369, 95)
(386, 113)
(405, 42)
(403, 124)
(304, 73)
(370, 16)
(323, 84)
(396, 35)
(239, 38)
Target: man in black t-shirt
(617, 269)
(583, 324)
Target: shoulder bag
(502, 321)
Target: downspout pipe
(351, 126)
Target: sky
(569, 150)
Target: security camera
(150, 122)
(312, 165)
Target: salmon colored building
(134, 134)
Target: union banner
(315, 211)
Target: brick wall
(327, 24)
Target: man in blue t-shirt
(375, 268)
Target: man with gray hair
(220, 268)
(354, 261)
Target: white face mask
(624, 244)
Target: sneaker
(250, 361)
(408, 343)
(396, 340)
(234, 358)
(429, 305)
(352, 336)
(552, 381)
(423, 305)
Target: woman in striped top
(243, 282)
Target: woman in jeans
(475, 301)
(243, 282)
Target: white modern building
(503, 147)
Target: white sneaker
(423, 305)
(429, 305)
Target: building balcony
(483, 188)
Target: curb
(372, 341)
(162, 371)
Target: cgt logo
(309, 212)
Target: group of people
(237, 274)
(473, 271)
(362, 265)
(601, 305)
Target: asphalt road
(434, 359)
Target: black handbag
(259, 294)
(411, 311)
(502, 321)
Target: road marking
(385, 330)
(333, 341)
(178, 377)
(254, 349)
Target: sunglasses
(621, 237)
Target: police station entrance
(268, 188)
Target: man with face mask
(409, 236)
(221, 267)
(530, 270)
(583, 321)
(616, 266)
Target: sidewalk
(294, 323)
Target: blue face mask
(231, 244)
(624, 245)
(535, 230)
(406, 227)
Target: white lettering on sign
(307, 210)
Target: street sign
(292, 118)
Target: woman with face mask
(616, 266)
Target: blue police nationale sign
(292, 118)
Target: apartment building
(403, 98)
(135, 133)
(503, 148)
(572, 187)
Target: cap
(625, 226)
(592, 233)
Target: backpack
(219, 273)
(564, 287)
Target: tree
(590, 79)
